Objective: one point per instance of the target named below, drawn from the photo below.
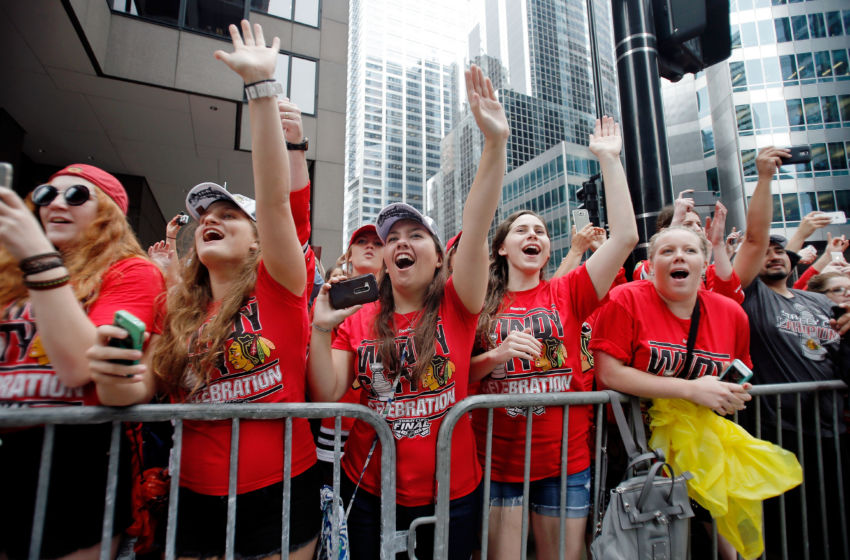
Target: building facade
(787, 83)
(403, 74)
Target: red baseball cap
(106, 182)
(368, 228)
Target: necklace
(410, 319)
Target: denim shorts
(544, 495)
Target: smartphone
(837, 311)
(6, 175)
(354, 291)
(580, 219)
(837, 217)
(134, 340)
(799, 154)
(703, 198)
(737, 372)
(182, 218)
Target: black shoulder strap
(692, 340)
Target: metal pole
(644, 137)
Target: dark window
(833, 23)
(783, 29)
(745, 117)
(777, 209)
(748, 159)
(820, 162)
(805, 67)
(844, 107)
(837, 158)
(213, 16)
(826, 201)
(816, 25)
(165, 12)
(813, 110)
(791, 207)
(839, 63)
(801, 28)
(788, 64)
(842, 200)
(736, 37)
(795, 112)
(824, 67)
(846, 16)
(707, 141)
(712, 179)
(739, 75)
(808, 203)
(830, 109)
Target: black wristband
(40, 263)
(47, 284)
(259, 82)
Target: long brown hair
(425, 328)
(185, 357)
(818, 282)
(497, 282)
(105, 241)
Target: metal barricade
(391, 540)
(565, 400)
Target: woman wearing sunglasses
(69, 261)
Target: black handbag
(647, 515)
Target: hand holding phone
(353, 291)
(736, 372)
(799, 154)
(703, 198)
(6, 175)
(580, 219)
(135, 335)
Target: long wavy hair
(425, 326)
(186, 353)
(105, 241)
(497, 282)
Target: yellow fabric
(733, 471)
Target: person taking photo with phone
(69, 261)
(528, 335)
(410, 351)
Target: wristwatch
(263, 89)
(300, 146)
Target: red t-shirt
(27, 378)
(555, 311)
(417, 409)
(637, 327)
(265, 361)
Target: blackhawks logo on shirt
(248, 351)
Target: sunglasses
(75, 195)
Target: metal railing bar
(174, 490)
(488, 466)
(335, 542)
(839, 471)
(824, 521)
(783, 537)
(287, 488)
(111, 490)
(39, 514)
(526, 474)
(801, 454)
(562, 508)
(230, 531)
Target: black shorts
(75, 499)
(202, 519)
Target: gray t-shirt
(791, 341)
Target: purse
(648, 513)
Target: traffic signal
(588, 198)
(691, 35)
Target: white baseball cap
(203, 195)
(401, 211)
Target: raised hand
(290, 120)
(814, 220)
(769, 160)
(836, 244)
(20, 232)
(715, 229)
(606, 139)
(488, 112)
(581, 239)
(251, 58)
(161, 254)
(807, 254)
(597, 238)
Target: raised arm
(715, 230)
(471, 260)
(808, 225)
(750, 256)
(579, 244)
(329, 371)
(604, 264)
(254, 62)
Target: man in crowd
(794, 338)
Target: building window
(839, 63)
(837, 157)
(812, 111)
(744, 117)
(800, 27)
(795, 114)
(816, 26)
(822, 64)
(748, 35)
(844, 107)
(761, 117)
(707, 142)
(712, 179)
(748, 159)
(772, 72)
(782, 27)
(736, 37)
(808, 202)
(805, 67)
(826, 201)
(791, 207)
(739, 75)
(830, 109)
(164, 12)
(842, 201)
(765, 32)
(788, 65)
(820, 162)
(833, 23)
(777, 209)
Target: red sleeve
(620, 279)
(615, 331)
(802, 283)
(134, 285)
(299, 201)
(575, 290)
(730, 288)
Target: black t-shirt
(791, 341)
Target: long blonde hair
(105, 241)
(185, 357)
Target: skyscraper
(787, 83)
(402, 99)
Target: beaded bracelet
(40, 263)
(321, 329)
(47, 284)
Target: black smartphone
(135, 328)
(837, 311)
(703, 198)
(737, 372)
(799, 154)
(182, 218)
(354, 291)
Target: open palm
(251, 58)
(606, 139)
(488, 112)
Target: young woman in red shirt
(410, 353)
(532, 327)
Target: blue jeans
(544, 495)
(364, 525)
